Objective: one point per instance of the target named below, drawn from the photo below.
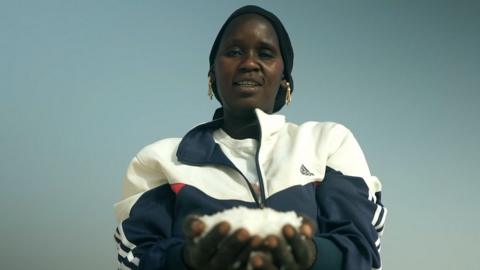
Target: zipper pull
(261, 204)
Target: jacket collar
(199, 148)
(269, 123)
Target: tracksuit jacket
(315, 169)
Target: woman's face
(248, 68)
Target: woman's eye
(265, 54)
(234, 52)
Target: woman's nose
(249, 63)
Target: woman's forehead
(250, 25)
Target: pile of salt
(261, 222)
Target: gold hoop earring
(288, 94)
(210, 90)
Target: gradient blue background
(84, 85)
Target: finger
(193, 227)
(261, 261)
(254, 243)
(303, 248)
(203, 250)
(308, 227)
(281, 253)
(229, 249)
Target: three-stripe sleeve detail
(126, 258)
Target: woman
(248, 156)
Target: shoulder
(331, 132)
(164, 149)
(327, 127)
(317, 126)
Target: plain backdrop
(84, 85)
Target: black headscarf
(285, 48)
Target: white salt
(261, 222)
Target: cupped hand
(296, 251)
(217, 249)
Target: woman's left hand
(297, 251)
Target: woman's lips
(247, 83)
(247, 87)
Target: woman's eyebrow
(268, 45)
(240, 41)
(234, 41)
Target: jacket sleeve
(350, 211)
(352, 219)
(145, 215)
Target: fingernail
(224, 228)
(197, 226)
(306, 230)
(271, 242)
(288, 231)
(242, 235)
(256, 261)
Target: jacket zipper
(258, 200)
(259, 172)
(257, 197)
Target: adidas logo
(305, 171)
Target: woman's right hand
(217, 249)
(295, 250)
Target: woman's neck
(241, 127)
